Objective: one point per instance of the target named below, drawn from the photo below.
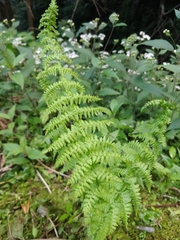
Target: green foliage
(107, 179)
(109, 157)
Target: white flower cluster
(149, 56)
(103, 55)
(143, 36)
(18, 41)
(70, 53)
(70, 22)
(87, 37)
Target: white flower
(128, 53)
(17, 41)
(148, 55)
(39, 50)
(105, 66)
(72, 55)
(86, 37)
(101, 36)
(144, 36)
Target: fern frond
(65, 85)
(74, 116)
(70, 101)
(107, 179)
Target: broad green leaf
(86, 52)
(89, 73)
(116, 103)
(177, 13)
(63, 217)
(175, 124)
(69, 34)
(107, 91)
(114, 64)
(11, 126)
(34, 232)
(12, 149)
(23, 142)
(175, 177)
(102, 25)
(142, 95)
(33, 153)
(9, 57)
(4, 115)
(144, 68)
(113, 104)
(172, 152)
(18, 78)
(159, 44)
(28, 68)
(11, 112)
(18, 161)
(171, 134)
(95, 62)
(6, 132)
(110, 73)
(18, 59)
(21, 127)
(89, 25)
(161, 169)
(175, 172)
(148, 87)
(15, 24)
(120, 25)
(69, 207)
(172, 68)
(27, 51)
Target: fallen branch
(53, 170)
(43, 181)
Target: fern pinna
(105, 178)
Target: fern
(107, 180)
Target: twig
(94, 1)
(43, 181)
(29, 8)
(109, 38)
(53, 227)
(74, 10)
(167, 196)
(6, 168)
(53, 170)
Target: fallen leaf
(25, 207)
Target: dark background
(151, 16)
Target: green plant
(104, 176)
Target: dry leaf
(26, 206)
